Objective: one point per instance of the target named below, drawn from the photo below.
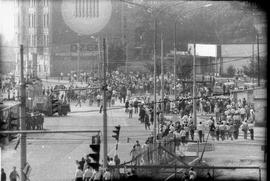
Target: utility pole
(253, 59)
(107, 53)
(174, 61)
(22, 118)
(162, 80)
(78, 58)
(126, 45)
(155, 97)
(258, 54)
(104, 107)
(99, 57)
(194, 86)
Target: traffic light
(3, 127)
(13, 124)
(116, 131)
(95, 146)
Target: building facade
(51, 46)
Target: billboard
(203, 50)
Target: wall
(257, 97)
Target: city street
(194, 70)
(52, 156)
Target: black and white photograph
(107, 90)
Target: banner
(203, 50)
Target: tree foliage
(223, 22)
(252, 69)
(231, 71)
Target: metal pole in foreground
(174, 61)
(194, 86)
(22, 118)
(155, 98)
(162, 81)
(107, 54)
(258, 50)
(78, 58)
(104, 107)
(126, 58)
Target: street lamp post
(194, 85)
(78, 57)
(174, 61)
(155, 97)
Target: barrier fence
(171, 172)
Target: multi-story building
(51, 46)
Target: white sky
(7, 19)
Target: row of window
(32, 39)
(34, 3)
(33, 22)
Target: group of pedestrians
(13, 176)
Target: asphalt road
(52, 156)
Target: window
(29, 20)
(45, 40)
(34, 20)
(47, 20)
(45, 2)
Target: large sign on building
(203, 50)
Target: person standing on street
(14, 175)
(3, 175)
(251, 130)
(79, 100)
(244, 127)
(200, 130)
(192, 130)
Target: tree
(116, 56)
(231, 71)
(251, 69)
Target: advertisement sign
(203, 50)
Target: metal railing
(168, 172)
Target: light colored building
(239, 55)
(51, 46)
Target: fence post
(260, 178)
(198, 148)
(175, 170)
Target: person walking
(147, 122)
(244, 128)
(136, 105)
(222, 131)
(217, 131)
(98, 99)
(200, 130)
(3, 175)
(130, 111)
(251, 130)
(14, 175)
(192, 130)
(138, 150)
(79, 100)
